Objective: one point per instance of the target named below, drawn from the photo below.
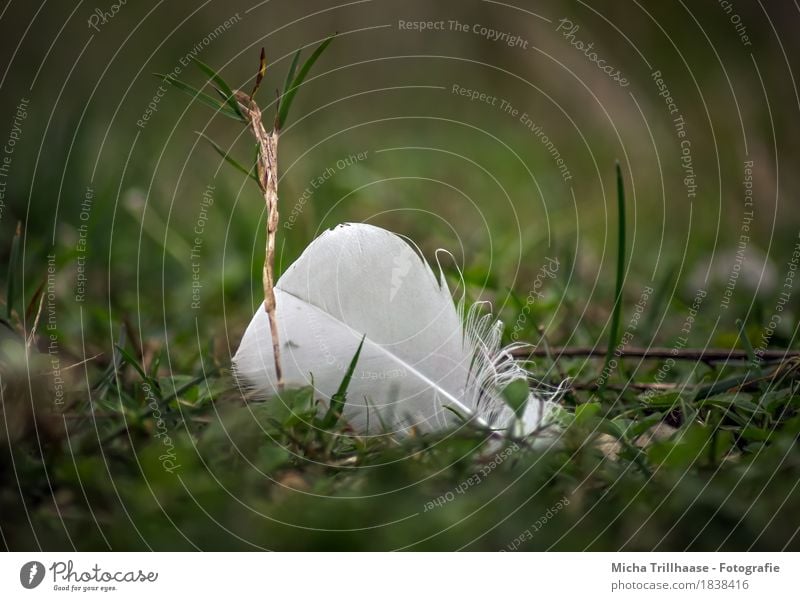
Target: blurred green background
(109, 173)
(491, 190)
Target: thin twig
(687, 354)
(664, 386)
(32, 334)
(79, 363)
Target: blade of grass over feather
(230, 160)
(290, 93)
(222, 87)
(613, 336)
(202, 97)
(339, 398)
(13, 264)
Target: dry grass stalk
(267, 167)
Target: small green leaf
(288, 97)
(755, 434)
(686, 447)
(721, 445)
(586, 412)
(639, 427)
(727, 384)
(230, 160)
(738, 400)
(223, 88)
(666, 400)
(612, 428)
(177, 392)
(776, 398)
(297, 407)
(200, 96)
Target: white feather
(418, 358)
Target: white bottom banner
(355, 576)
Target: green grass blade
(133, 362)
(200, 96)
(289, 95)
(748, 347)
(340, 397)
(230, 160)
(13, 266)
(224, 89)
(290, 75)
(161, 404)
(733, 382)
(117, 361)
(190, 384)
(155, 364)
(613, 336)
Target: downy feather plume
(425, 361)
